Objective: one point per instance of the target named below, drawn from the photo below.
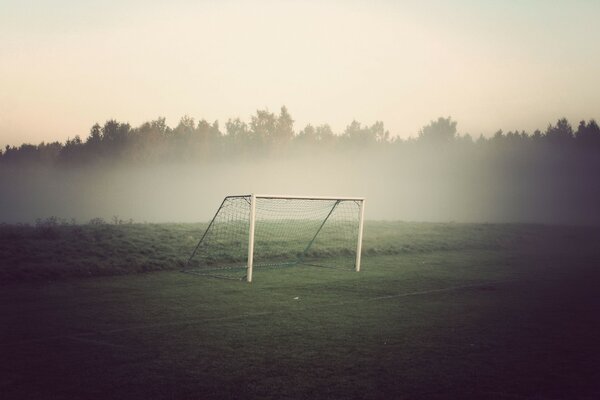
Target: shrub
(47, 228)
(97, 221)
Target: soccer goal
(272, 231)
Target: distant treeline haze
(268, 133)
(154, 172)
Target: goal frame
(252, 223)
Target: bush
(47, 228)
(97, 221)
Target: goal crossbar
(293, 197)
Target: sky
(490, 65)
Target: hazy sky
(489, 64)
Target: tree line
(271, 134)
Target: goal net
(250, 232)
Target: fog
(400, 182)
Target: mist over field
(150, 174)
(517, 67)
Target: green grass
(439, 311)
(64, 251)
(50, 252)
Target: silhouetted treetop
(588, 134)
(441, 131)
(562, 132)
(271, 134)
(356, 134)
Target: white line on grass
(81, 336)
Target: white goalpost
(270, 231)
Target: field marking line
(448, 289)
(410, 294)
(262, 313)
(245, 315)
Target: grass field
(439, 311)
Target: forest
(157, 173)
(273, 135)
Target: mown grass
(466, 311)
(51, 251)
(29, 253)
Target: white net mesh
(287, 232)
